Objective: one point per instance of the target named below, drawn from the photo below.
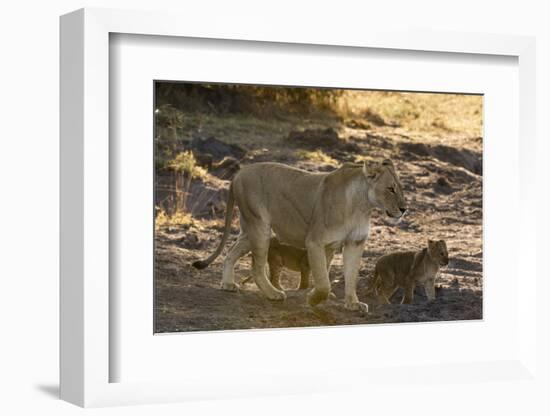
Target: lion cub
(282, 256)
(408, 269)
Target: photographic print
(279, 207)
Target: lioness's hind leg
(259, 243)
(239, 249)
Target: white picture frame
(85, 355)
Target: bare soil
(442, 180)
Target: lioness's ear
(388, 162)
(369, 171)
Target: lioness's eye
(392, 190)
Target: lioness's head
(438, 252)
(385, 192)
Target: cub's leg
(429, 286)
(329, 254)
(318, 265)
(409, 293)
(275, 267)
(352, 262)
(387, 294)
(239, 249)
(305, 271)
(381, 287)
(259, 243)
(386, 285)
(374, 288)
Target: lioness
(282, 256)
(307, 210)
(408, 269)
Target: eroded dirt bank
(443, 185)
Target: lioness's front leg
(318, 265)
(352, 261)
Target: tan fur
(281, 256)
(311, 211)
(407, 270)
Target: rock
(463, 158)
(326, 168)
(217, 149)
(351, 147)
(343, 156)
(409, 226)
(419, 149)
(204, 160)
(314, 138)
(378, 141)
(374, 118)
(442, 186)
(442, 182)
(358, 124)
(225, 169)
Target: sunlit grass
(423, 112)
(184, 162)
(177, 219)
(315, 156)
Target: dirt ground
(442, 177)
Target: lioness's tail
(201, 264)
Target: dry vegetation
(201, 138)
(417, 112)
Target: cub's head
(385, 190)
(438, 252)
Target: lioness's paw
(357, 306)
(314, 297)
(230, 287)
(277, 295)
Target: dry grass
(185, 163)
(315, 156)
(417, 112)
(445, 115)
(451, 119)
(177, 219)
